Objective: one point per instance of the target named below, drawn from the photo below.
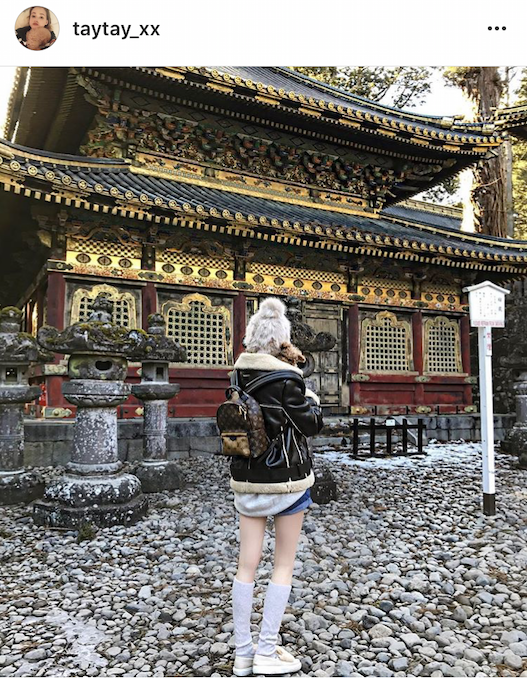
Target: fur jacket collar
(248, 361)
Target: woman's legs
(287, 532)
(252, 531)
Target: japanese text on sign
(487, 308)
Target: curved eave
(116, 188)
(353, 111)
(513, 119)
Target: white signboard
(487, 310)
(487, 305)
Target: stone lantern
(17, 351)
(304, 337)
(94, 488)
(156, 472)
(516, 439)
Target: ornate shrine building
(196, 192)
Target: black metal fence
(388, 427)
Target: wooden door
(326, 379)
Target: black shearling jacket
(291, 415)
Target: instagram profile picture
(36, 28)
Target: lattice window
(441, 289)
(442, 346)
(101, 247)
(124, 307)
(291, 272)
(173, 257)
(386, 344)
(371, 282)
(203, 329)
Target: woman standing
(275, 484)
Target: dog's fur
(291, 354)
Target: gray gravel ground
(401, 576)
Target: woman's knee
(246, 571)
(249, 563)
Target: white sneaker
(282, 662)
(243, 666)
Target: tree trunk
(490, 188)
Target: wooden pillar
(465, 356)
(148, 303)
(56, 299)
(353, 351)
(417, 333)
(239, 323)
(41, 300)
(27, 325)
(55, 304)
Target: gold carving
(57, 412)
(310, 111)
(359, 377)
(359, 410)
(267, 100)
(124, 310)
(220, 87)
(423, 410)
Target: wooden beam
(353, 349)
(239, 323)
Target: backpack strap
(272, 377)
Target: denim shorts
(302, 503)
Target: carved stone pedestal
(156, 472)
(516, 439)
(325, 488)
(17, 351)
(94, 489)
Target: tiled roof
(116, 187)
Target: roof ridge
(319, 84)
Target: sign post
(487, 310)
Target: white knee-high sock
(242, 603)
(276, 599)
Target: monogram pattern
(241, 424)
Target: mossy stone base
(24, 487)
(48, 514)
(515, 443)
(104, 500)
(158, 477)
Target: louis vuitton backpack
(240, 419)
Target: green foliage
(399, 86)
(444, 192)
(87, 531)
(519, 172)
(519, 183)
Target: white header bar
(274, 32)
